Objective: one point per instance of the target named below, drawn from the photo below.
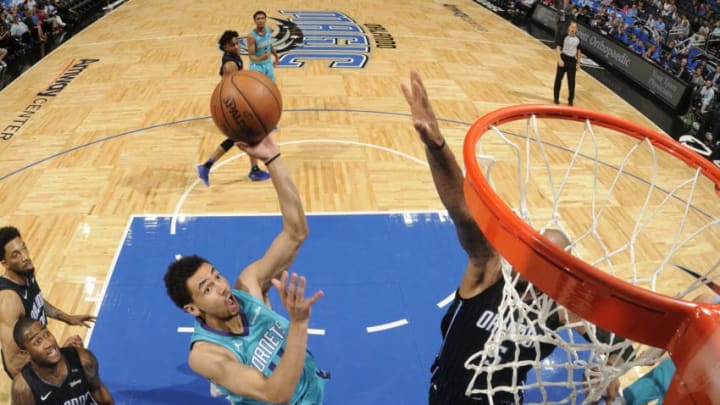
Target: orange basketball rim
(688, 330)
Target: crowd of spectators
(29, 28)
(681, 36)
(674, 35)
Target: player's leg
(204, 169)
(269, 71)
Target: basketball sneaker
(204, 174)
(258, 175)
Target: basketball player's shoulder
(10, 304)
(205, 357)
(6, 284)
(86, 357)
(209, 349)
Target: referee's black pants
(570, 67)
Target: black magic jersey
(466, 327)
(74, 390)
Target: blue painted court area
(374, 269)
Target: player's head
(14, 255)
(555, 236)
(30, 335)
(572, 28)
(197, 287)
(229, 42)
(260, 18)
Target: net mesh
(628, 208)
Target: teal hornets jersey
(263, 44)
(261, 346)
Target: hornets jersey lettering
(261, 346)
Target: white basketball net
(582, 189)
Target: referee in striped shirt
(568, 60)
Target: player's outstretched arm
(11, 310)
(282, 251)
(448, 179)
(98, 390)
(76, 320)
(221, 367)
(20, 393)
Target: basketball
(246, 106)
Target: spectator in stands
(632, 11)
(598, 23)
(670, 48)
(660, 26)
(707, 71)
(52, 16)
(702, 10)
(583, 15)
(65, 12)
(651, 21)
(622, 32)
(612, 25)
(697, 79)
(8, 42)
(637, 45)
(707, 95)
(660, 44)
(710, 121)
(20, 31)
(681, 29)
(641, 12)
(3, 53)
(669, 63)
(716, 29)
(714, 77)
(668, 9)
(682, 72)
(695, 22)
(652, 53)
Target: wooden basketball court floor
(113, 122)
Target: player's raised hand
(424, 119)
(263, 150)
(292, 296)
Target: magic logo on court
(329, 36)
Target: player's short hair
(178, 272)
(7, 233)
(19, 330)
(226, 37)
(259, 12)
